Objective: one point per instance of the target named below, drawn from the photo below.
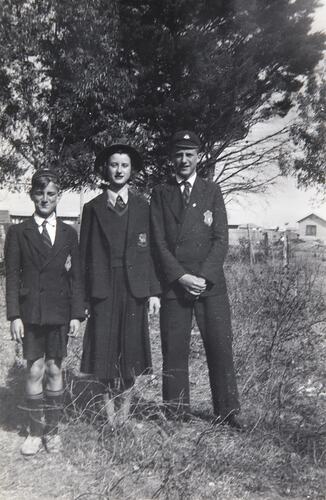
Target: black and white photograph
(163, 249)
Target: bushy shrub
(279, 343)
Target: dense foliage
(75, 75)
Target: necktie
(186, 192)
(45, 236)
(119, 204)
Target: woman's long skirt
(116, 341)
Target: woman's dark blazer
(95, 244)
(42, 287)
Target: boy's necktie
(45, 236)
(119, 204)
(186, 192)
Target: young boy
(44, 306)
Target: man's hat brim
(119, 147)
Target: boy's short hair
(42, 177)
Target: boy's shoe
(53, 443)
(31, 445)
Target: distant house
(312, 227)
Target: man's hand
(17, 330)
(195, 285)
(154, 305)
(74, 327)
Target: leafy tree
(306, 156)
(75, 75)
(220, 68)
(63, 88)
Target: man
(191, 237)
(44, 306)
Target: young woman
(118, 278)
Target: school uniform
(193, 239)
(118, 279)
(43, 283)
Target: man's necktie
(45, 236)
(119, 204)
(186, 192)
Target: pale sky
(283, 202)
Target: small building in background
(312, 227)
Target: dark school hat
(185, 139)
(121, 146)
(45, 172)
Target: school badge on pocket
(208, 218)
(142, 240)
(68, 263)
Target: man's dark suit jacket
(95, 242)
(39, 288)
(191, 241)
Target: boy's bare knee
(35, 370)
(53, 368)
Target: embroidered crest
(208, 218)
(68, 263)
(142, 240)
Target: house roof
(314, 216)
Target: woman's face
(118, 169)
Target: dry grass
(280, 456)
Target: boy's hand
(17, 330)
(154, 305)
(74, 327)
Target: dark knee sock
(34, 408)
(53, 410)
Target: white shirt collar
(191, 179)
(52, 220)
(123, 192)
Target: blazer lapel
(173, 200)
(101, 208)
(36, 244)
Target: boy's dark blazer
(43, 287)
(95, 242)
(193, 241)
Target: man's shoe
(234, 423)
(231, 421)
(53, 443)
(31, 446)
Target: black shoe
(177, 414)
(231, 421)
(234, 423)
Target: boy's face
(118, 169)
(45, 199)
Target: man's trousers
(213, 319)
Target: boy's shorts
(47, 340)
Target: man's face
(185, 162)
(118, 169)
(45, 199)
